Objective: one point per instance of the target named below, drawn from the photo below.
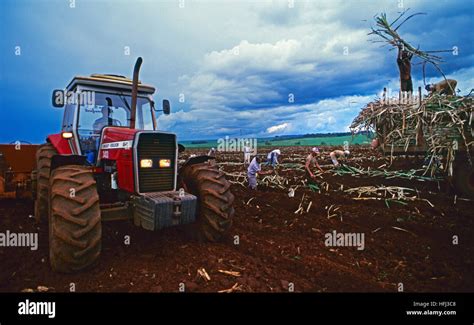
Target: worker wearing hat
(272, 157)
(311, 161)
(212, 152)
(338, 154)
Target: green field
(312, 141)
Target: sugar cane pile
(373, 192)
(389, 194)
(439, 125)
(239, 178)
(412, 174)
(272, 181)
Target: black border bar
(239, 306)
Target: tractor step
(158, 210)
(113, 212)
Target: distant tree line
(322, 135)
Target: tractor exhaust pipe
(136, 71)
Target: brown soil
(277, 249)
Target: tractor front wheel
(215, 201)
(75, 228)
(44, 154)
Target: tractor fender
(197, 160)
(59, 143)
(63, 160)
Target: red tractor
(110, 162)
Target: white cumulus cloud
(277, 128)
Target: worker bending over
(272, 157)
(338, 154)
(253, 170)
(444, 87)
(312, 162)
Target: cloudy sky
(249, 68)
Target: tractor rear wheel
(464, 178)
(75, 228)
(43, 163)
(215, 201)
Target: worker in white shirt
(253, 170)
(212, 152)
(272, 157)
(247, 153)
(338, 154)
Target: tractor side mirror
(181, 148)
(57, 98)
(166, 107)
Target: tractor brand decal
(118, 145)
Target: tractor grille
(156, 146)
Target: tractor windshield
(109, 110)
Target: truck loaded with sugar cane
(440, 127)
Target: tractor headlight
(66, 135)
(146, 163)
(165, 163)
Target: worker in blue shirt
(253, 170)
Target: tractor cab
(99, 101)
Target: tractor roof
(109, 81)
